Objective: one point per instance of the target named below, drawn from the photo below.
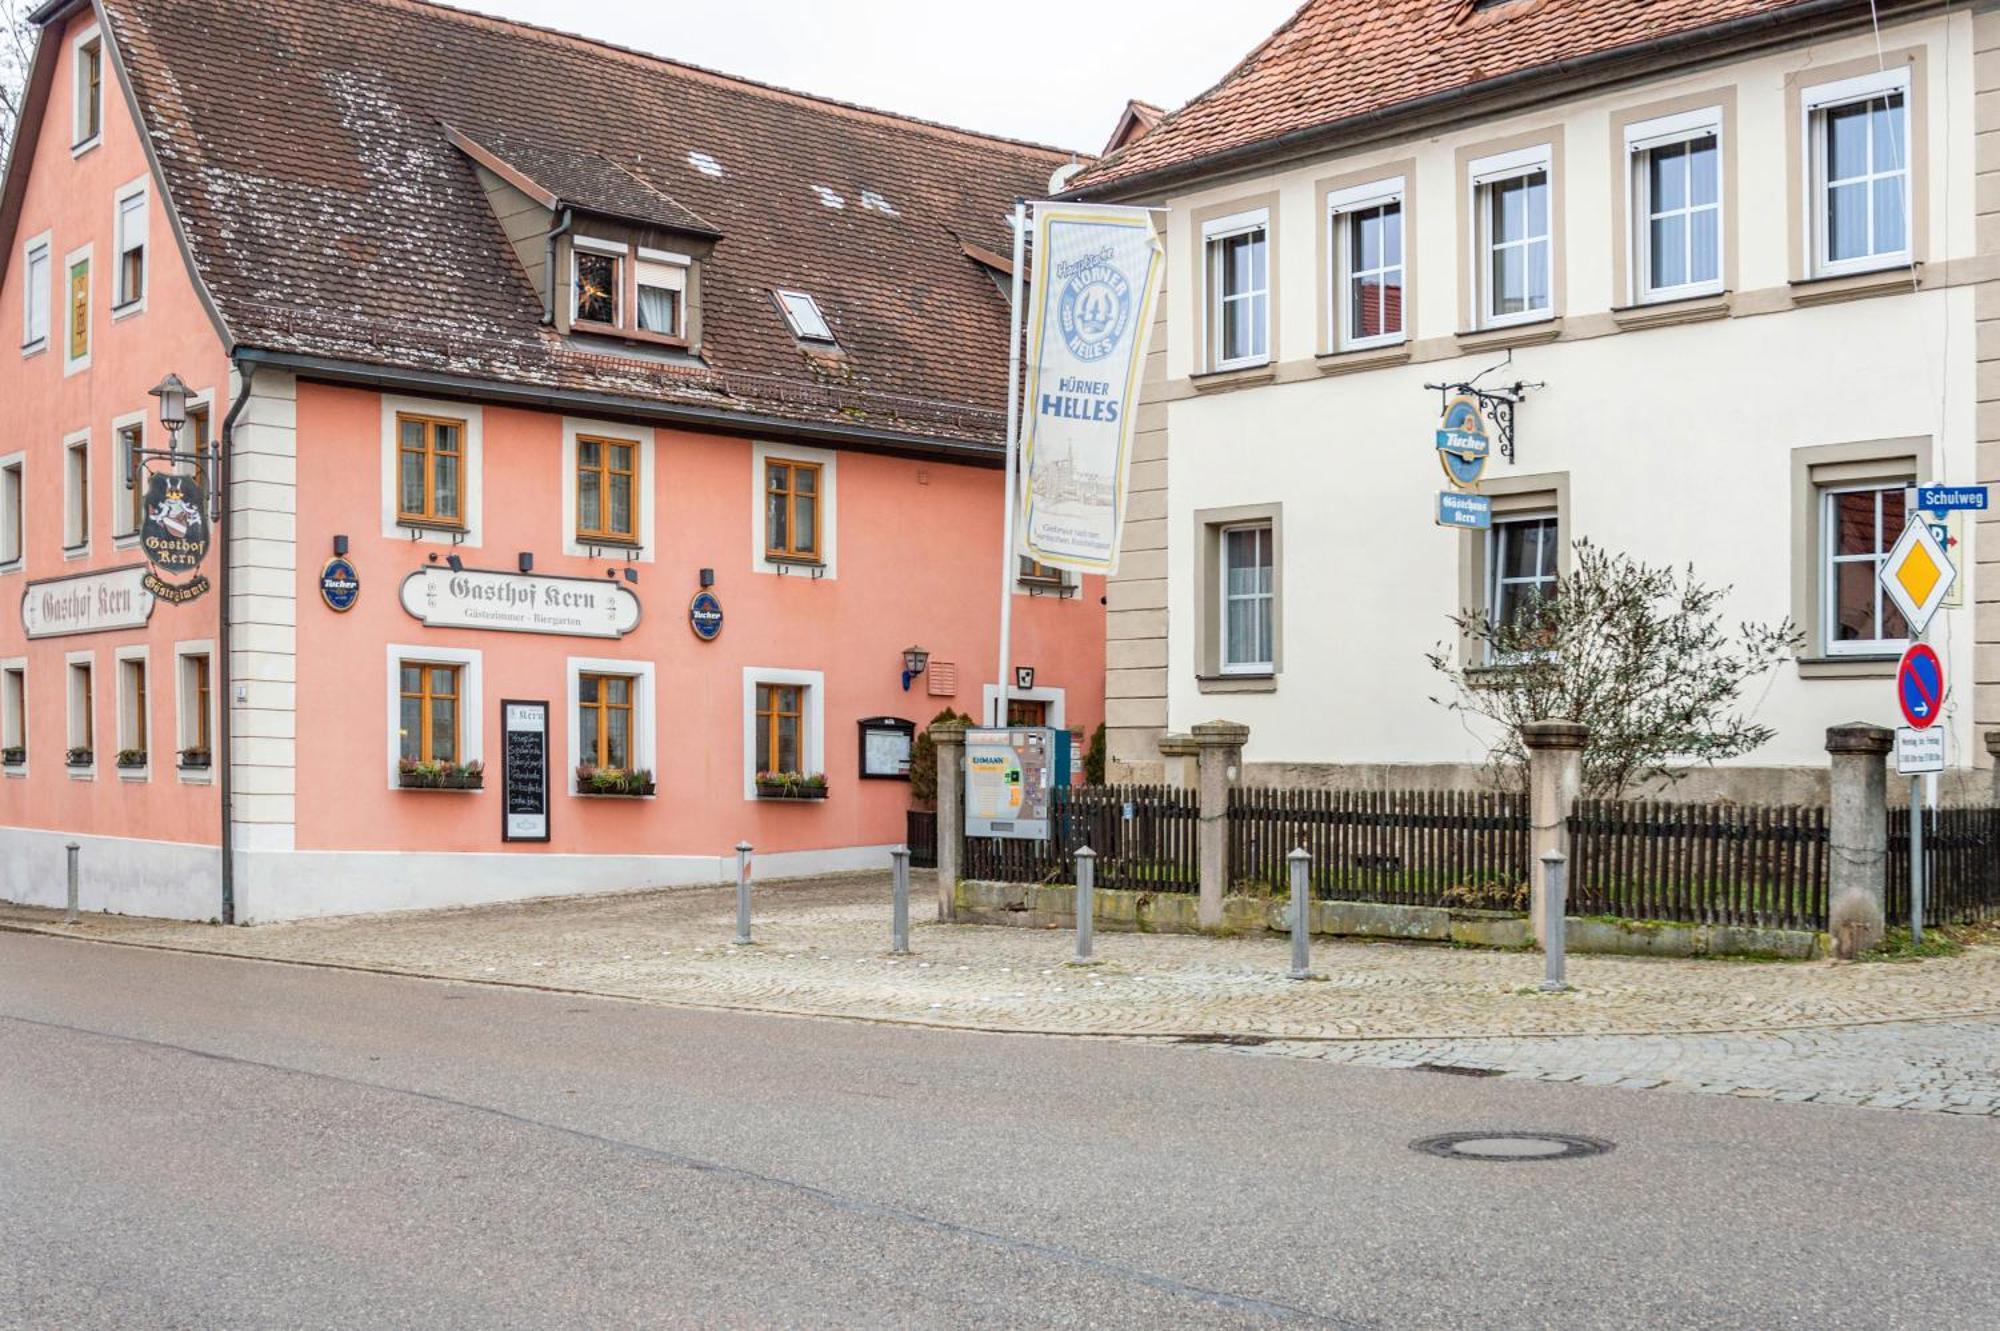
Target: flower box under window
(79, 757)
(131, 758)
(14, 755)
(612, 781)
(791, 786)
(196, 759)
(412, 775)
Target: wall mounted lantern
(915, 661)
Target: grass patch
(1896, 945)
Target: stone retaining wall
(1032, 906)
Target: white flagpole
(1016, 332)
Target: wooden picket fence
(1396, 847)
(1144, 837)
(1961, 866)
(1757, 865)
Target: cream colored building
(1748, 259)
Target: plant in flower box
(594, 780)
(415, 774)
(14, 755)
(130, 758)
(196, 757)
(791, 785)
(80, 756)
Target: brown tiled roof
(1337, 59)
(305, 145)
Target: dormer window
(600, 279)
(662, 285)
(803, 314)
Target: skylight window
(705, 164)
(828, 197)
(803, 314)
(875, 203)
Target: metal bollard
(1300, 861)
(1555, 915)
(1086, 902)
(899, 920)
(70, 916)
(743, 893)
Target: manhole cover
(1510, 1147)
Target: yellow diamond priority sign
(1918, 574)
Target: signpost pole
(1916, 860)
(1016, 333)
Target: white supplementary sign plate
(1919, 752)
(1918, 575)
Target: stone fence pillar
(1857, 834)
(1219, 764)
(1555, 779)
(1178, 754)
(949, 737)
(1993, 747)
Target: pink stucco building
(543, 339)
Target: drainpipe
(226, 768)
(556, 233)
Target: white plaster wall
(169, 880)
(1677, 440)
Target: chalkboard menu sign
(524, 748)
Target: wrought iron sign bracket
(1498, 403)
(207, 466)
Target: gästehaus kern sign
(520, 603)
(87, 603)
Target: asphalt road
(205, 1143)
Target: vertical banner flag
(1096, 276)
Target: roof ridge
(854, 109)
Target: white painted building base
(166, 880)
(163, 879)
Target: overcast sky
(1053, 71)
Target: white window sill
(125, 540)
(74, 552)
(11, 566)
(34, 348)
(617, 799)
(127, 310)
(195, 776)
(15, 773)
(83, 773)
(77, 150)
(136, 773)
(1240, 681)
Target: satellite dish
(1064, 174)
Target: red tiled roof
(1336, 59)
(305, 143)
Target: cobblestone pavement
(1787, 1030)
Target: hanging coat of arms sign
(174, 530)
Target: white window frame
(1495, 565)
(13, 511)
(829, 510)
(1829, 536)
(642, 489)
(474, 506)
(186, 699)
(645, 723)
(808, 324)
(77, 365)
(76, 499)
(14, 709)
(130, 725)
(1213, 233)
(663, 259)
(124, 532)
(79, 145)
(471, 699)
(1342, 207)
(73, 710)
(1814, 103)
(1484, 173)
(40, 250)
(610, 249)
(1641, 140)
(1065, 583)
(125, 303)
(1222, 599)
(812, 724)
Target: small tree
(923, 760)
(1635, 652)
(17, 51)
(1094, 758)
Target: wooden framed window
(129, 280)
(607, 483)
(135, 728)
(604, 720)
(429, 724)
(89, 90)
(780, 715)
(131, 439)
(791, 510)
(430, 470)
(194, 439)
(196, 732)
